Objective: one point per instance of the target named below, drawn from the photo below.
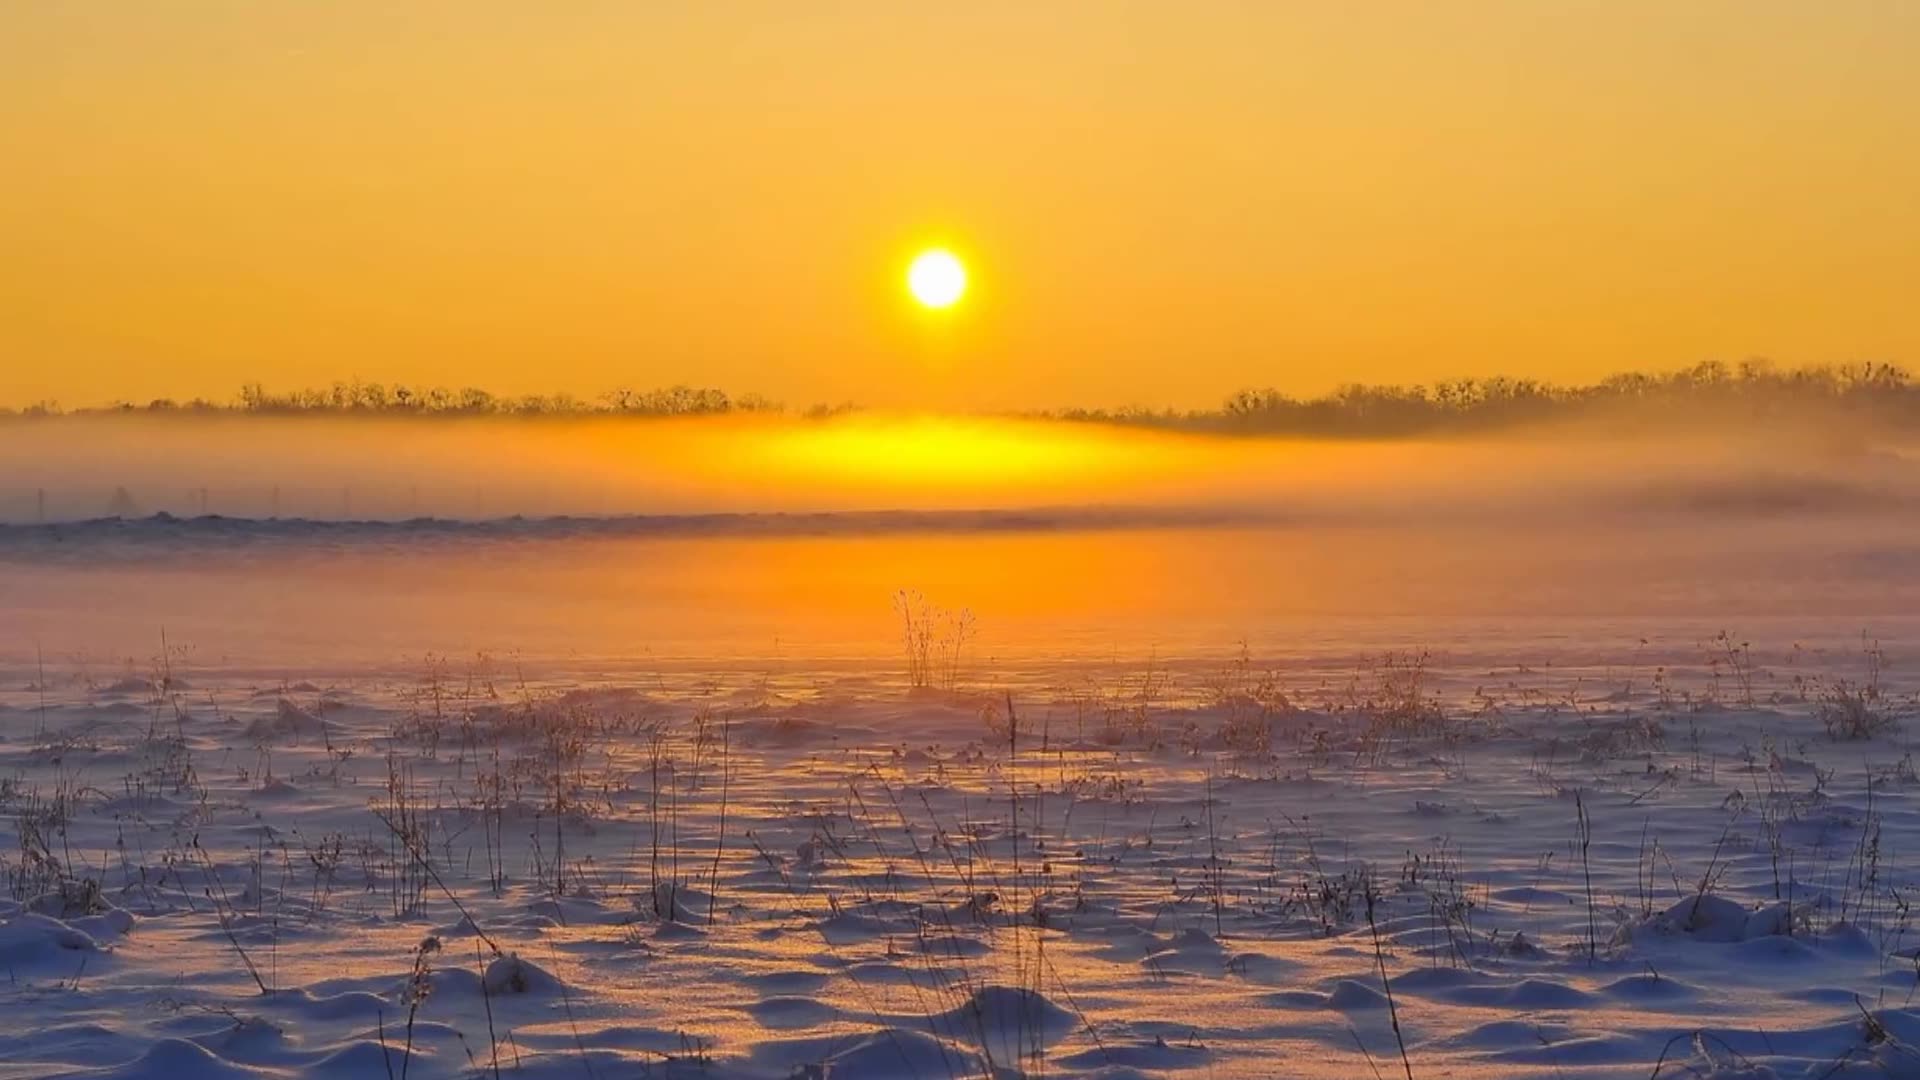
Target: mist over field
(391, 535)
(1705, 439)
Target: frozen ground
(1521, 858)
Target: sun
(937, 279)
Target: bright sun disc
(937, 279)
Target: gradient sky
(1160, 203)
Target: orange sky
(1160, 202)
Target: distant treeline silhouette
(358, 398)
(1752, 389)
(1876, 391)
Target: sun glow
(937, 279)
(972, 463)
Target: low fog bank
(763, 536)
(1712, 438)
(390, 469)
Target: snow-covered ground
(1518, 854)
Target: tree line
(1878, 391)
(1751, 390)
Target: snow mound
(1138, 1058)
(70, 900)
(791, 1012)
(510, 974)
(172, 1058)
(892, 1052)
(1715, 918)
(30, 938)
(1349, 995)
(287, 719)
(362, 1057)
(1010, 1023)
